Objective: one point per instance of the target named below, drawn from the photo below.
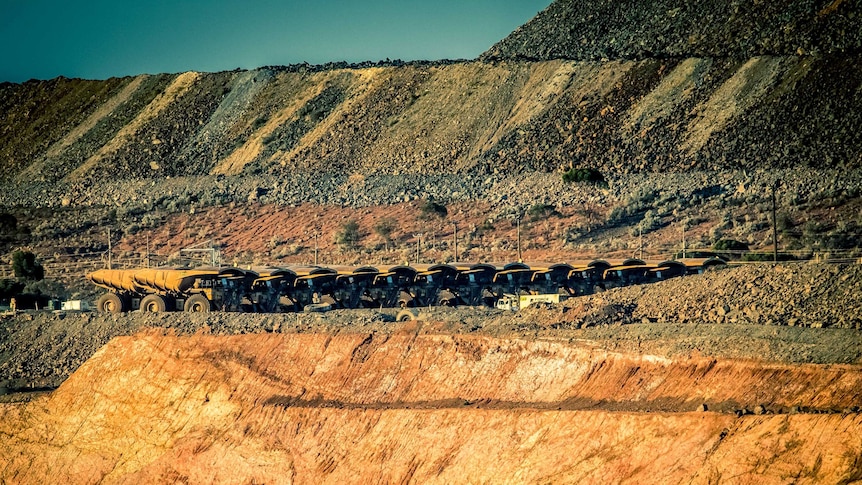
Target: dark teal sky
(98, 39)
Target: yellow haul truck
(169, 289)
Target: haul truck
(294, 288)
(168, 289)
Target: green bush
(589, 175)
(729, 245)
(49, 288)
(385, 227)
(25, 266)
(10, 288)
(8, 224)
(766, 257)
(784, 223)
(429, 208)
(541, 211)
(348, 234)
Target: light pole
(520, 259)
(455, 240)
(683, 239)
(774, 225)
(641, 237)
(418, 245)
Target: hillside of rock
(702, 117)
(690, 112)
(617, 116)
(580, 29)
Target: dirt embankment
(422, 408)
(790, 314)
(618, 116)
(584, 392)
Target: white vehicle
(75, 305)
(516, 302)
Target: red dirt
(425, 408)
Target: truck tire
(110, 303)
(405, 316)
(317, 307)
(153, 303)
(197, 304)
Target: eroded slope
(619, 116)
(426, 408)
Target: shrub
(730, 245)
(636, 203)
(429, 208)
(385, 227)
(8, 223)
(25, 266)
(541, 211)
(784, 223)
(589, 175)
(348, 234)
(10, 288)
(47, 288)
(765, 257)
(650, 221)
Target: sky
(98, 39)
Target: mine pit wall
(431, 371)
(284, 408)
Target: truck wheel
(153, 303)
(317, 307)
(405, 316)
(110, 303)
(197, 304)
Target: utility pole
(520, 259)
(148, 251)
(683, 239)
(418, 246)
(315, 247)
(641, 237)
(774, 224)
(455, 240)
(110, 262)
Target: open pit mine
(416, 404)
(705, 123)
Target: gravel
(786, 313)
(580, 29)
(512, 191)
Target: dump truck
(168, 289)
(296, 288)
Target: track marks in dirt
(743, 90)
(175, 90)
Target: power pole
(110, 262)
(683, 239)
(774, 228)
(315, 248)
(148, 251)
(641, 237)
(418, 246)
(455, 240)
(520, 259)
